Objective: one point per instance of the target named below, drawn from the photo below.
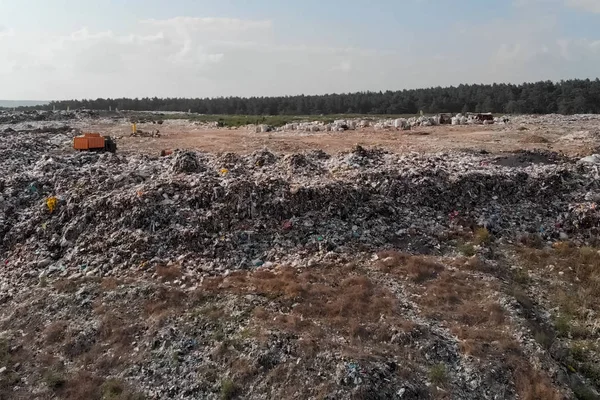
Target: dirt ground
(572, 140)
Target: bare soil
(493, 138)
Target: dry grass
(109, 283)
(168, 273)
(482, 236)
(118, 332)
(571, 279)
(165, 300)
(312, 303)
(417, 268)
(533, 385)
(466, 305)
(578, 266)
(90, 387)
(534, 139)
(55, 332)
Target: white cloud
(5, 32)
(592, 6)
(344, 66)
(219, 56)
(586, 5)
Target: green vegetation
(565, 97)
(482, 236)
(467, 249)
(563, 325)
(54, 379)
(228, 389)
(438, 374)
(584, 393)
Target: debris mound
(186, 162)
(263, 157)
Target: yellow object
(51, 202)
(134, 128)
(224, 171)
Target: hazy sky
(60, 49)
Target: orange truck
(94, 142)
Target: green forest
(564, 97)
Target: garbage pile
(13, 117)
(384, 124)
(154, 133)
(215, 212)
(186, 162)
(556, 119)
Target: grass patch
(317, 303)
(521, 276)
(482, 236)
(54, 380)
(563, 324)
(467, 249)
(591, 371)
(417, 268)
(438, 375)
(584, 393)
(229, 390)
(578, 352)
(168, 273)
(534, 139)
(543, 339)
(55, 332)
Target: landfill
(156, 209)
(80, 215)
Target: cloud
(344, 66)
(5, 32)
(585, 5)
(210, 24)
(592, 6)
(198, 57)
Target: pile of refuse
(154, 133)
(13, 117)
(382, 124)
(115, 212)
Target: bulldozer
(94, 142)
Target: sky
(64, 49)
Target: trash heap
(13, 117)
(115, 213)
(381, 124)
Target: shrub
(438, 374)
(228, 389)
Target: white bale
(455, 121)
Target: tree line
(564, 97)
